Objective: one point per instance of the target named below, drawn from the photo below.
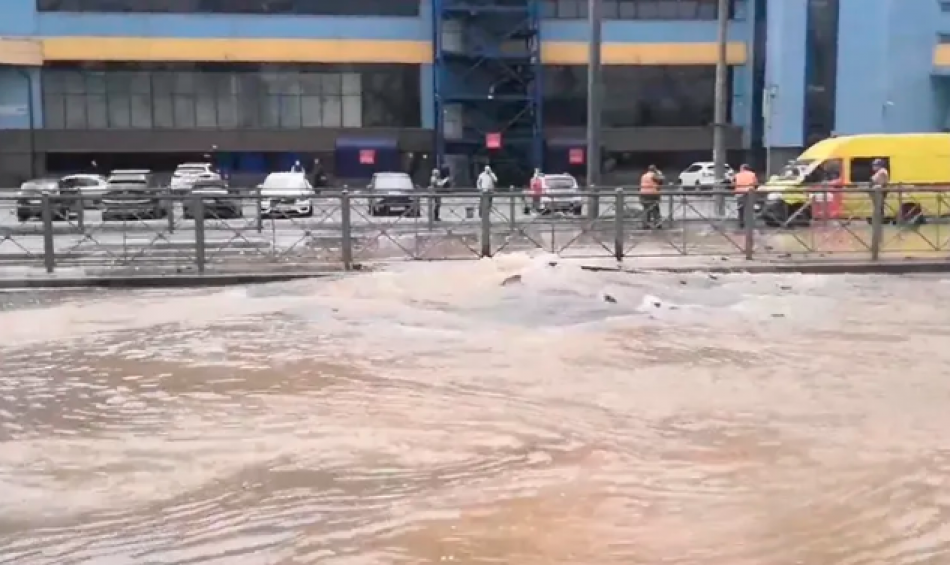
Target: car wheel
(23, 217)
(577, 210)
(308, 213)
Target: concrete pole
(594, 100)
(721, 101)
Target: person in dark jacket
(318, 177)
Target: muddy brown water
(431, 414)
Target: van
(918, 159)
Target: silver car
(393, 193)
(133, 195)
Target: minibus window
(860, 168)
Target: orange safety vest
(745, 181)
(648, 184)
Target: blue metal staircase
(487, 71)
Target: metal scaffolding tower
(487, 74)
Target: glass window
(237, 96)
(642, 9)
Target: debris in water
(552, 263)
(513, 279)
(609, 299)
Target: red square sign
(493, 140)
(575, 156)
(367, 156)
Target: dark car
(217, 200)
(393, 193)
(64, 201)
(133, 195)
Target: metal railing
(344, 231)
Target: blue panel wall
(644, 31)
(18, 17)
(15, 101)
(885, 54)
(785, 71)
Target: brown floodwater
(431, 414)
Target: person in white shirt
(486, 184)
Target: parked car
(135, 195)
(561, 193)
(64, 202)
(91, 188)
(393, 193)
(702, 175)
(187, 174)
(217, 200)
(285, 195)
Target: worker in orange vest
(745, 183)
(650, 198)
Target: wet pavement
(432, 414)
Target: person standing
(650, 198)
(880, 179)
(436, 184)
(486, 185)
(318, 175)
(746, 182)
(535, 187)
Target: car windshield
(127, 184)
(190, 171)
(392, 182)
(284, 180)
(560, 182)
(796, 170)
(39, 185)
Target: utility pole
(594, 101)
(721, 101)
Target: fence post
(484, 207)
(198, 211)
(259, 209)
(346, 235)
(593, 203)
(81, 214)
(877, 222)
(512, 210)
(49, 249)
(618, 224)
(170, 211)
(748, 220)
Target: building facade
(261, 83)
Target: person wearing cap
(650, 197)
(745, 182)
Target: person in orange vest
(745, 183)
(650, 198)
(535, 187)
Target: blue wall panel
(885, 55)
(785, 70)
(644, 31)
(18, 17)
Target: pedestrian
(318, 175)
(650, 198)
(535, 187)
(880, 179)
(297, 168)
(746, 182)
(486, 185)
(435, 184)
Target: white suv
(702, 175)
(186, 174)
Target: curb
(837, 268)
(155, 281)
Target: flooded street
(433, 414)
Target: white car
(286, 194)
(560, 193)
(187, 174)
(702, 175)
(91, 188)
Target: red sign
(367, 156)
(493, 140)
(575, 156)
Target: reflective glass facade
(643, 9)
(634, 96)
(407, 8)
(144, 96)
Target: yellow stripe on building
(236, 50)
(576, 53)
(34, 52)
(942, 56)
(22, 52)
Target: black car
(393, 193)
(134, 195)
(217, 200)
(64, 201)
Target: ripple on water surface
(433, 414)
